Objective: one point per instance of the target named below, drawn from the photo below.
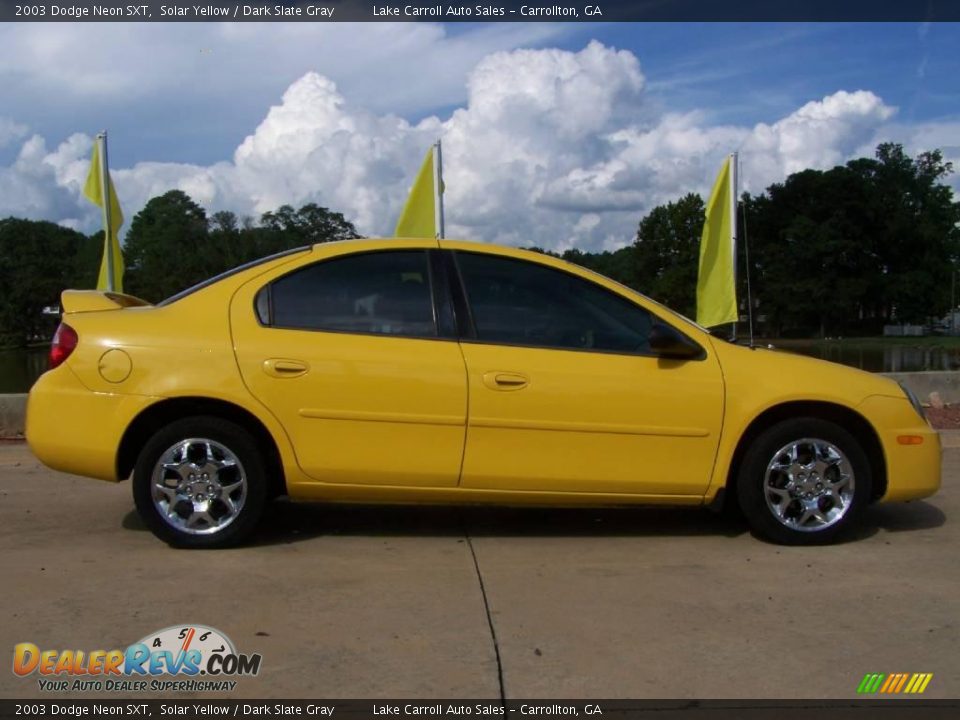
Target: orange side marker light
(910, 439)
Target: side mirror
(671, 344)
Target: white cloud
(680, 154)
(10, 131)
(922, 137)
(35, 185)
(200, 69)
(546, 150)
(820, 134)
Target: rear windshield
(233, 271)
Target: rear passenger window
(383, 293)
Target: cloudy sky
(558, 135)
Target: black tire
(228, 442)
(794, 495)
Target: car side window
(521, 303)
(383, 293)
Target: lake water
(20, 368)
(875, 358)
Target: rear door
(358, 361)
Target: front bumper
(913, 470)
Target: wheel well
(848, 419)
(166, 411)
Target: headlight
(913, 400)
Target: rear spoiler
(79, 301)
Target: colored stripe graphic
(918, 683)
(870, 683)
(907, 683)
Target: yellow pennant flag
(419, 216)
(112, 257)
(716, 288)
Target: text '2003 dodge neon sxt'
(451, 372)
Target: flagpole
(733, 232)
(107, 207)
(746, 253)
(438, 189)
(746, 263)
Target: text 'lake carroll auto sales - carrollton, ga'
(573, 12)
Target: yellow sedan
(453, 372)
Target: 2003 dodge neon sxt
(454, 372)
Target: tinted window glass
(387, 293)
(521, 303)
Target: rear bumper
(913, 470)
(74, 430)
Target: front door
(567, 396)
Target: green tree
(850, 249)
(166, 249)
(309, 225)
(917, 219)
(667, 252)
(172, 244)
(813, 252)
(227, 244)
(85, 263)
(36, 265)
(618, 265)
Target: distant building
(903, 331)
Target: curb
(949, 438)
(13, 412)
(943, 383)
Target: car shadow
(286, 522)
(900, 517)
(895, 517)
(132, 521)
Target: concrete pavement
(381, 602)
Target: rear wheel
(803, 482)
(200, 483)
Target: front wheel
(803, 482)
(200, 483)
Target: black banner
(515, 709)
(504, 11)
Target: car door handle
(497, 380)
(280, 368)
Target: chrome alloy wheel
(198, 486)
(809, 485)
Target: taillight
(64, 343)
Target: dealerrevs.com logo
(197, 657)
